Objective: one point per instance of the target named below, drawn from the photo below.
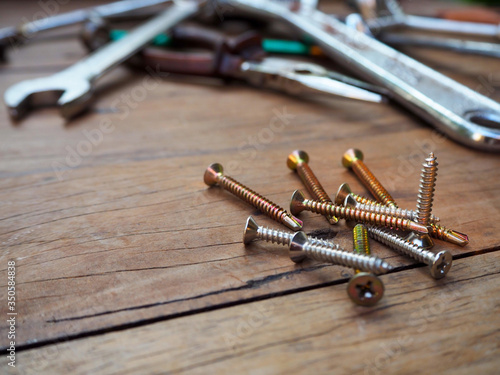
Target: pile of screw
(409, 232)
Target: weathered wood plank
(131, 233)
(421, 326)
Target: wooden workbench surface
(127, 263)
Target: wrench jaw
(76, 99)
(71, 97)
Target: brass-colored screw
(448, 235)
(301, 248)
(299, 203)
(215, 175)
(316, 248)
(379, 208)
(298, 161)
(345, 190)
(424, 201)
(255, 232)
(364, 288)
(353, 158)
(439, 264)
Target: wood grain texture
(129, 234)
(420, 327)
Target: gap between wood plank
(144, 322)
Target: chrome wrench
(72, 88)
(461, 113)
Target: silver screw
(424, 201)
(301, 247)
(439, 264)
(255, 232)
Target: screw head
(423, 240)
(349, 201)
(250, 232)
(296, 203)
(365, 289)
(441, 264)
(350, 156)
(342, 193)
(296, 158)
(212, 174)
(297, 244)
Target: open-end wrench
(16, 35)
(461, 113)
(72, 89)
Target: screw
(364, 288)
(298, 161)
(379, 208)
(299, 203)
(448, 235)
(214, 175)
(353, 158)
(301, 248)
(439, 264)
(253, 232)
(424, 201)
(344, 191)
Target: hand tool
(243, 58)
(17, 35)
(72, 88)
(376, 13)
(355, 21)
(461, 113)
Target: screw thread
(357, 261)
(380, 208)
(360, 237)
(426, 190)
(314, 187)
(363, 200)
(401, 245)
(258, 201)
(355, 214)
(284, 238)
(371, 182)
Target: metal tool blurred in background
(461, 113)
(15, 36)
(242, 57)
(72, 89)
(377, 14)
(355, 21)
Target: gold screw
(214, 175)
(353, 158)
(299, 203)
(298, 161)
(364, 288)
(424, 200)
(448, 235)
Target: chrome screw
(439, 264)
(424, 201)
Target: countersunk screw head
(365, 289)
(441, 264)
(296, 158)
(296, 203)
(350, 156)
(250, 232)
(212, 174)
(299, 240)
(349, 201)
(342, 193)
